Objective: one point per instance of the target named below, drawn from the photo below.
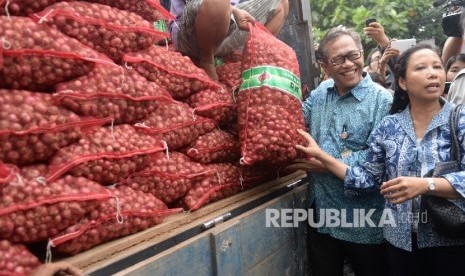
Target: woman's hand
(243, 18)
(401, 189)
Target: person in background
(58, 268)
(403, 148)
(340, 113)
(373, 61)
(376, 77)
(452, 47)
(454, 65)
(388, 54)
(206, 28)
(456, 93)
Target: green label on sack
(160, 25)
(273, 77)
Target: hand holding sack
(269, 102)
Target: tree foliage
(400, 18)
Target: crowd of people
(374, 152)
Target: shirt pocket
(357, 134)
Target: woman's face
(425, 76)
(455, 69)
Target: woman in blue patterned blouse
(402, 149)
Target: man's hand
(243, 18)
(310, 165)
(58, 268)
(312, 149)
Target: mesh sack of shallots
(32, 129)
(108, 30)
(230, 74)
(225, 182)
(107, 155)
(16, 260)
(150, 10)
(111, 91)
(214, 103)
(130, 211)
(171, 70)
(23, 7)
(8, 172)
(216, 146)
(234, 56)
(32, 209)
(258, 174)
(167, 176)
(269, 101)
(36, 57)
(176, 124)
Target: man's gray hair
(334, 34)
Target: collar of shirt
(359, 91)
(442, 118)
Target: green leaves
(400, 18)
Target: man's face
(349, 73)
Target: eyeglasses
(352, 56)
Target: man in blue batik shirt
(340, 114)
